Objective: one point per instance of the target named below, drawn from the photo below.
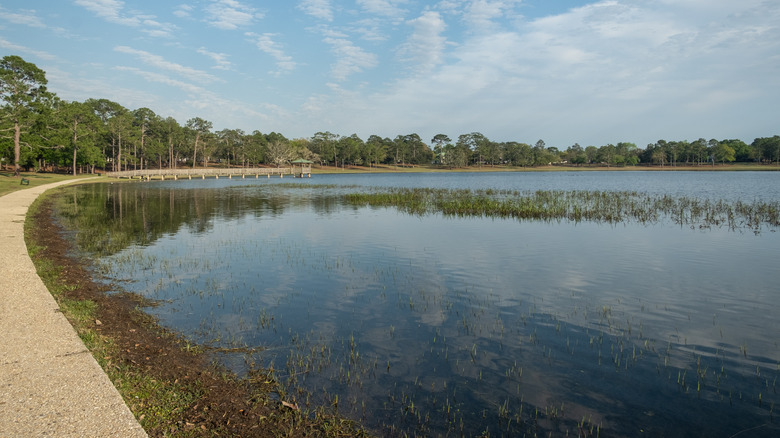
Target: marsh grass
(577, 206)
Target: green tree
(255, 147)
(410, 148)
(232, 145)
(199, 127)
(606, 154)
(143, 118)
(490, 152)
(553, 155)
(119, 127)
(376, 149)
(352, 149)
(475, 143)
(723, 152)
(626, 153)
(174, 136)
(742, 151)
(767, 148)
(325, 144)
(81, 127)
(518, 154)
(591, 154)
(657, 152)
(155, 144)
(210, 147)
(698, 150)
(22, 89)
(458, 155)
(540, 153)
(438, 141)
(113, 117)
(300, 147)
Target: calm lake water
(446, 326)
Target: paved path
(50, 385)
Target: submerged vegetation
(577, 206)
(416, 334)
(173, 387)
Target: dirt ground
(224, 405)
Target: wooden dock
(190, 173)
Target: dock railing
(229, 172)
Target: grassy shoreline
(173, 388)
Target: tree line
(41, 131)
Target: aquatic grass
(576, 206)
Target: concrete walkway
(50, 385)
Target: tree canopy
(22, 89)
(41, 131)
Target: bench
(24, 182)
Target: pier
(228, 172)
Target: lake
(439, 325)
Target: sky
(563, 71)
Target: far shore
(10, 183)
(386, 168)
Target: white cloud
(387, 8)
(321, 9)
(449, 6)
(425, 46)
(24, 17)
(606, 71)
(219, 58)
(613, 69)
(481, 14)
(208, 104)
(113, 12)
(29, 17)
(370, 29)
(230, 14)
(350, 59)
(24, 49)
(266, 44)
(160, 62)
(162, 79)
(79, 87)
(110, 10)
(183, 11)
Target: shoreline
(51, 384)
(172, 387)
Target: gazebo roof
(302, 161)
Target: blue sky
(591, 72)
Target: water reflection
(449, 326)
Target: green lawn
(10, 183)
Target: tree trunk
(170, 153)
(119, 152)
(195, 150)
(17, 147)
(75, 148)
